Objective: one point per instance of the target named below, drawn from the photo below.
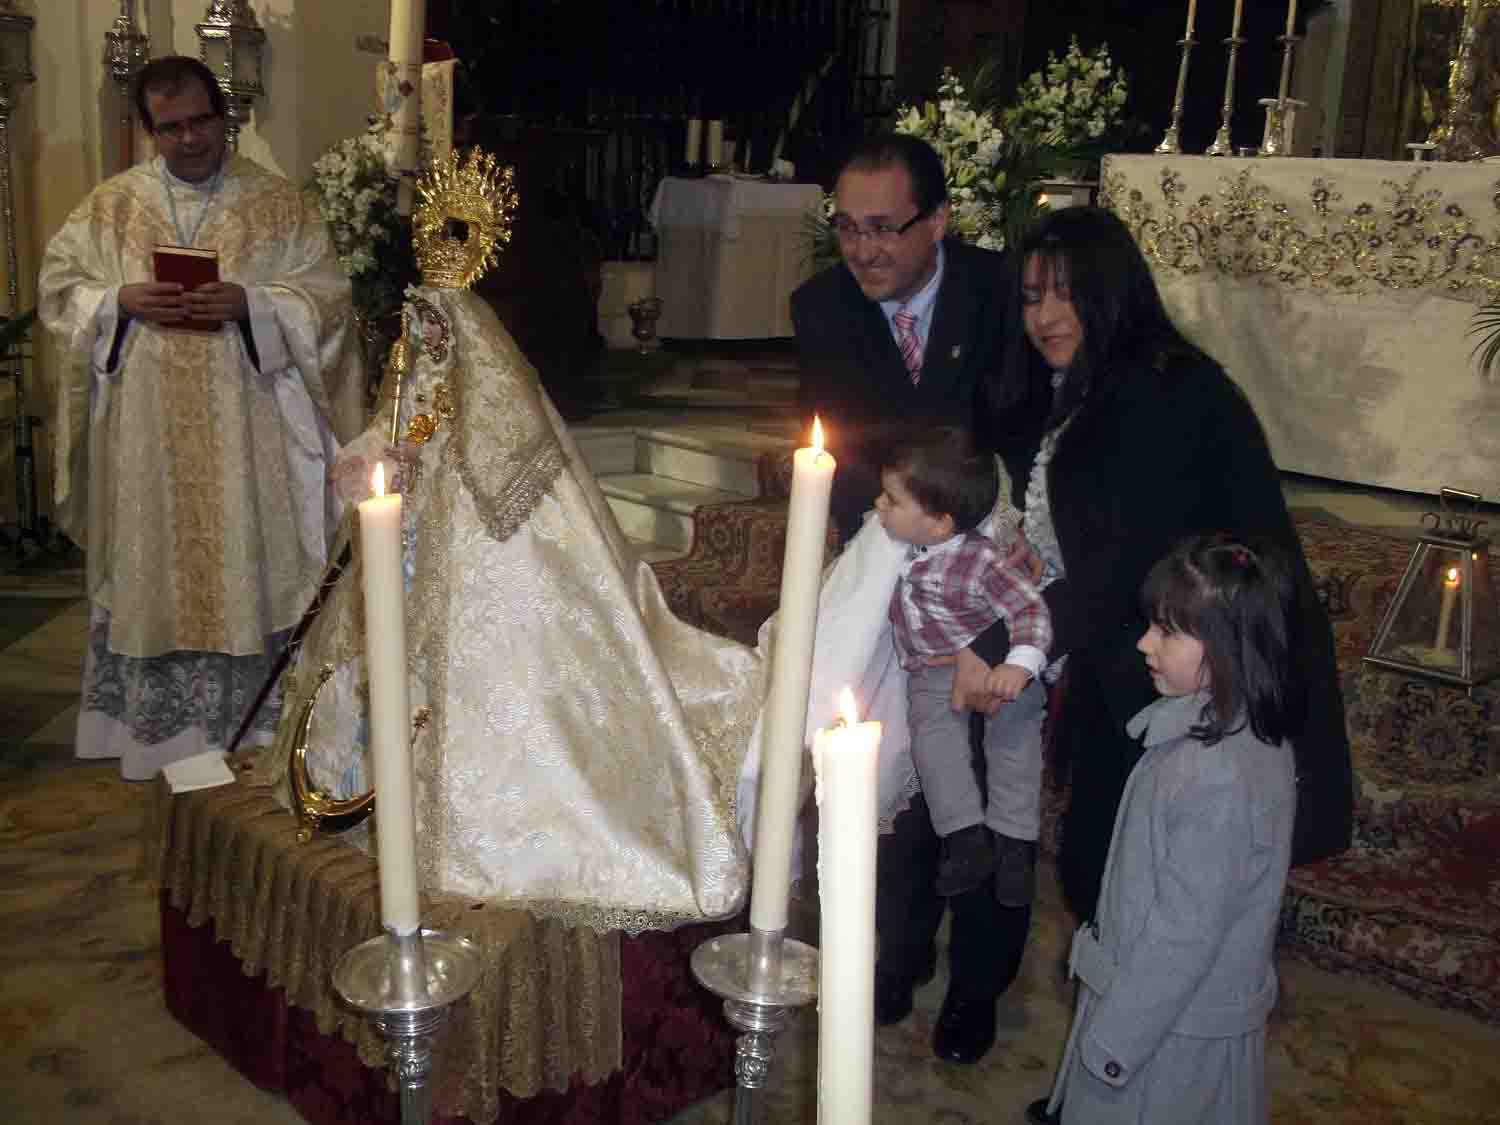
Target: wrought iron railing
(788, 78)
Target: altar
(1339, 294)
(731, 252)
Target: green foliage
(1486, 326)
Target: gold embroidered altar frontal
(546, 1009)
(1340, 295)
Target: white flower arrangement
(356, 194)
(1071, 101)
(973, 147)
(996, 160)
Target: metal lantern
(15, 50)
(126, 49)
(126, 46)
(231, 43)
(1442, 623)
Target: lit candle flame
(1453, 576)
(817, 443)
(377, 482)
(847, 713)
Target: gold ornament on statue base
(462, 219)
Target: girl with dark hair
(1176, 974)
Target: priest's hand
(160, 302)
(222, 300)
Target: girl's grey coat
(1177, 980)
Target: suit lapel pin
(956, 349)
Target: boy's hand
(1008, 681)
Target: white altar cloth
(731, 251)
(1339, 294)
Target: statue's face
(188, 132)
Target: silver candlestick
(1281, 121)
(760, 975)
(1222, 145)
(1170, 145)
(406, 984)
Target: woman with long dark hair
(1124, 439)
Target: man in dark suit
(891, 222)
(902, 333)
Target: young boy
(937, 488)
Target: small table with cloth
(731, 252)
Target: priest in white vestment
(192, 466)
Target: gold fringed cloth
(546, 1010)
(1339, 294)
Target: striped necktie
(906, 340)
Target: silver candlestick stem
(760, 975)
(406, 984)
(1170, 144)
(1222, 145)
(1288, 48)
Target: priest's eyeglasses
(178, 130)
(881, 234)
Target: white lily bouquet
(974, 150)
(1072, 101)
(356, 194)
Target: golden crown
(462, 218)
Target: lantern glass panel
(15, 51)
(216, 56)
(1446, 603)
(247, 60)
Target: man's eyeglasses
(178, 130)
(882, 234)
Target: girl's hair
(947, 472)
(1237, 597)
(1092, 252)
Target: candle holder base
(405, 984)
(759, 975)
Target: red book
(190, 267)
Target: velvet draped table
(1340, 295)
(567, 1024)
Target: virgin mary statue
(576, 747)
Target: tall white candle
(694, 140)
(1234, 28)
(1291, 17)
(715, 143)
(845, 758)
(785, 721)
(385, 658)
(1192, 12)
(408, 28)
(1445, 609)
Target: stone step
(657, 467)
(659, 510)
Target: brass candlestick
(1170, 145)
(1221, 145)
